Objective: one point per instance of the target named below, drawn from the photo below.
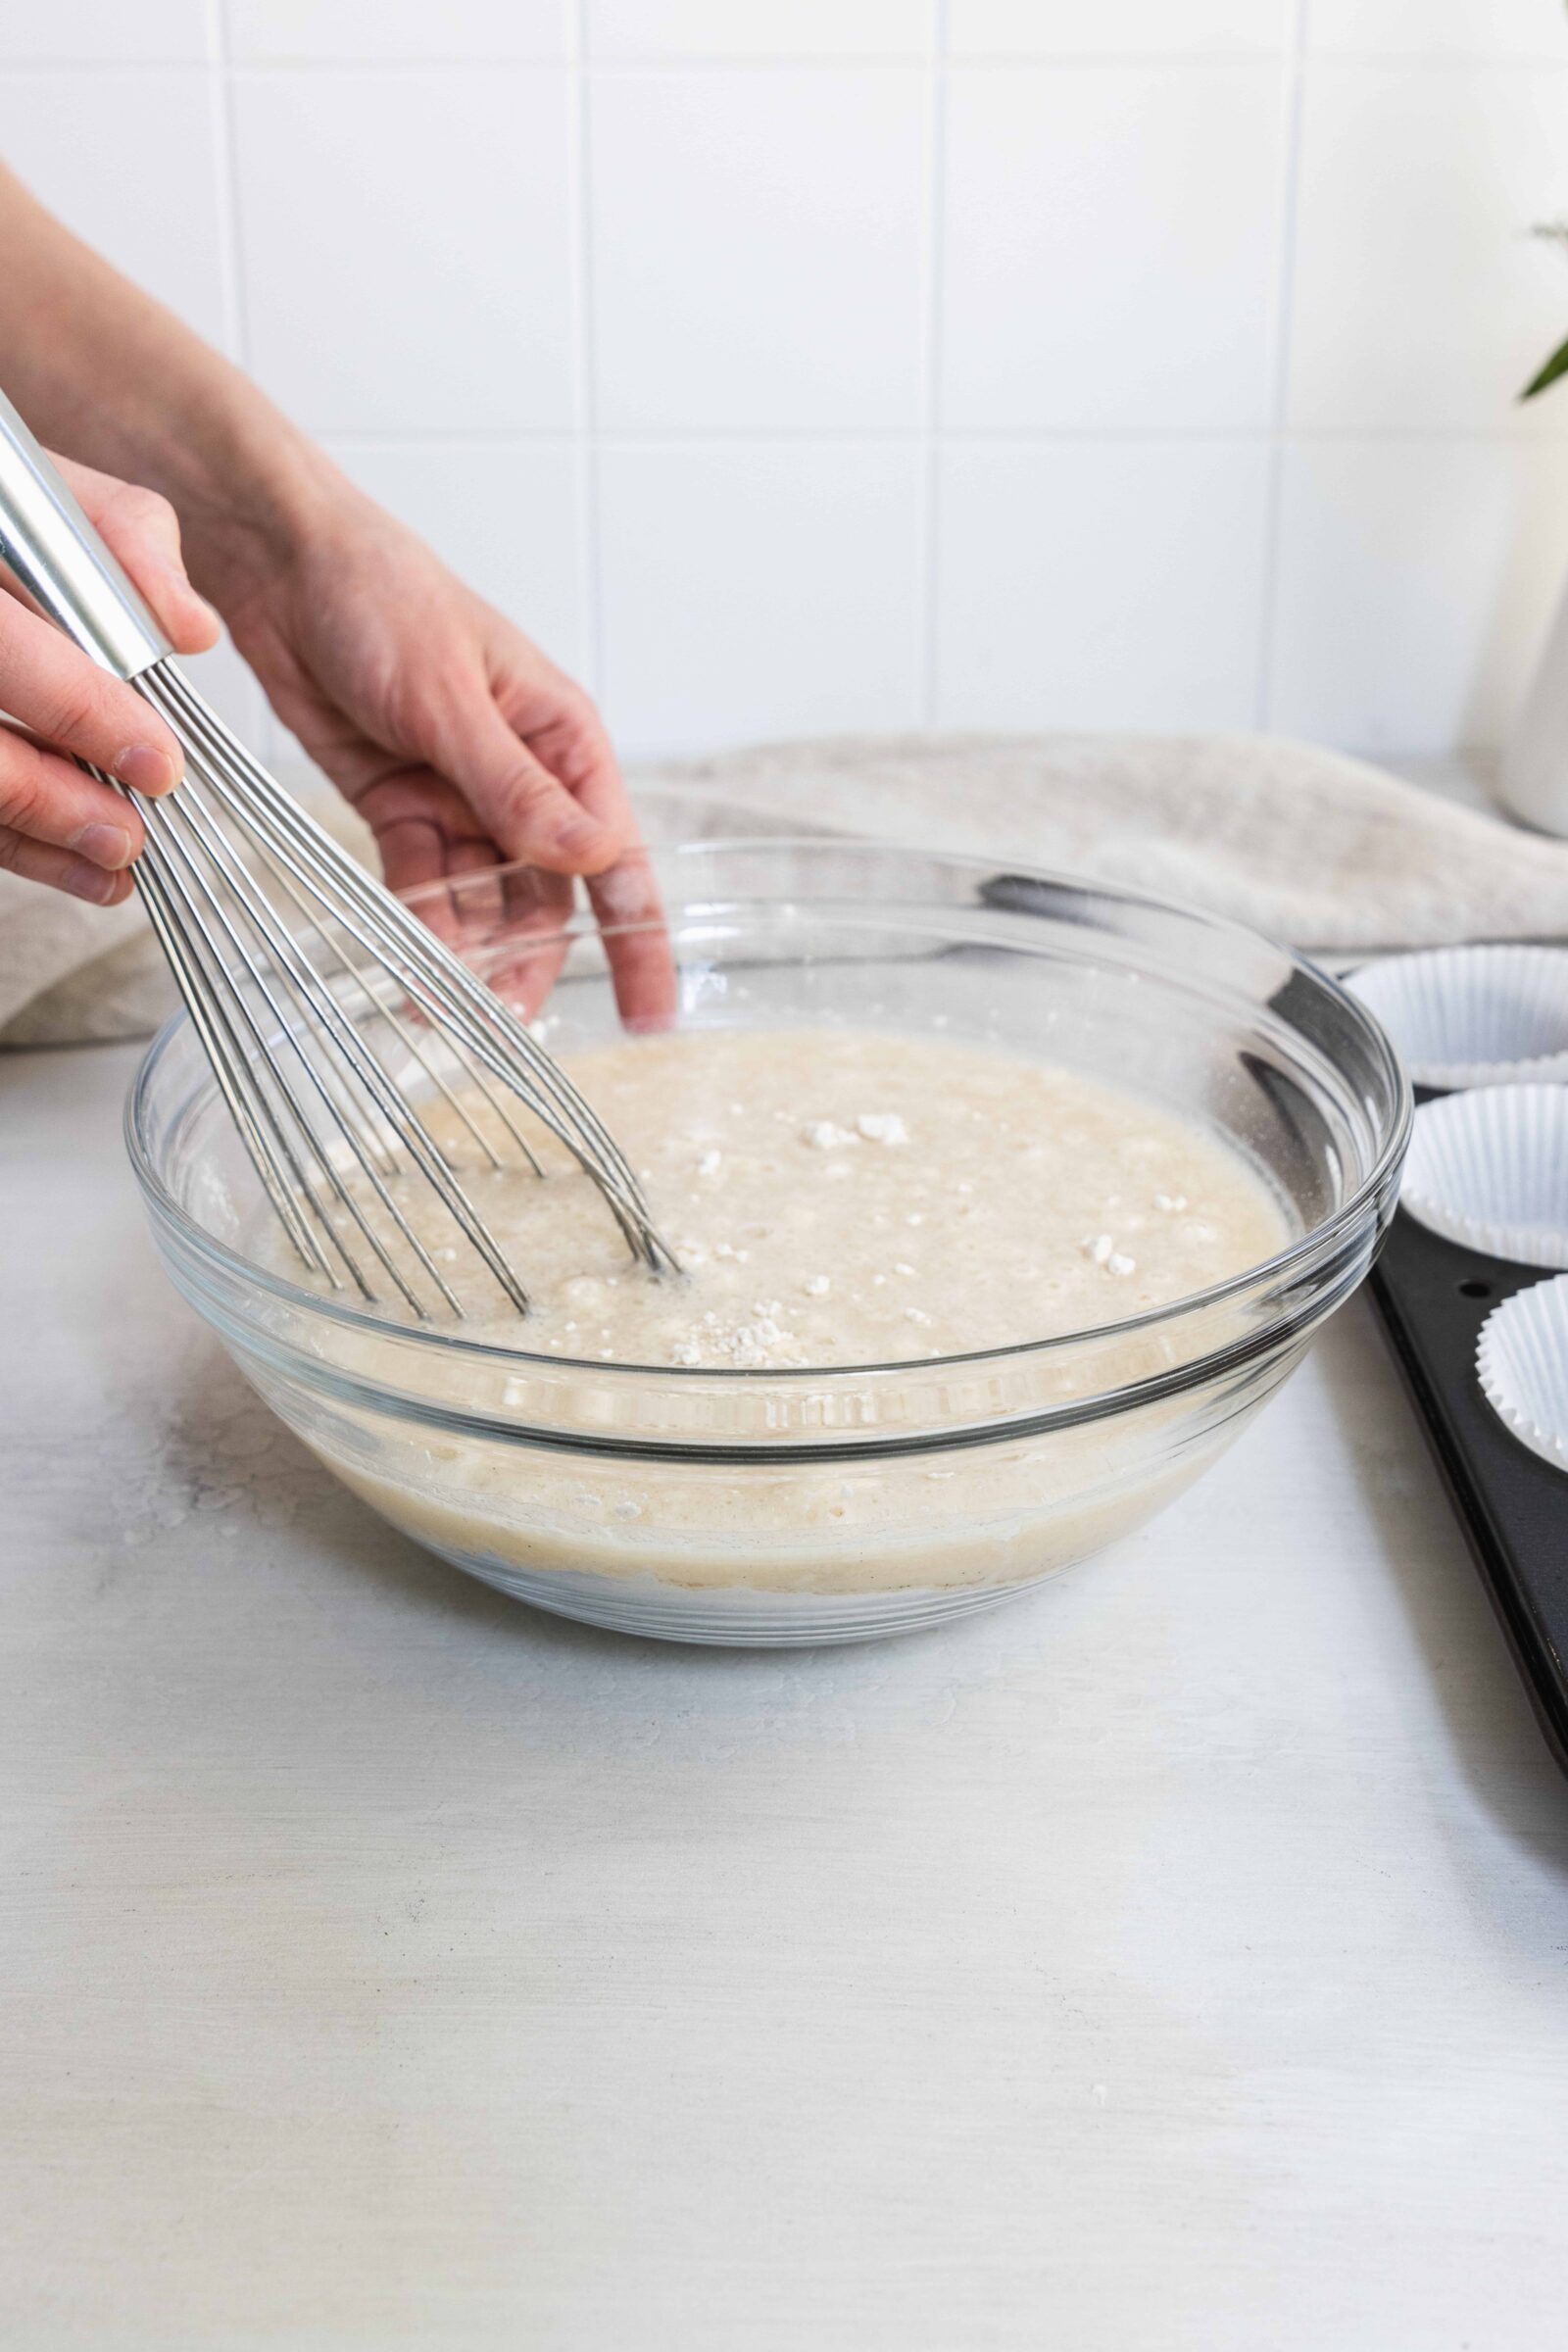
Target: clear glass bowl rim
(1295, 1260)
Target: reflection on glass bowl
(798, 1506)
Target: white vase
(1533, 783)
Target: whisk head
(335, 1023)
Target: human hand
(56, 825)
(462, 745)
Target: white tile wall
(405, 245)
(355, 31)
(1413, 576)
(95, 32)
(732, 285)
(64, 134)
(823, 363)
(1420, 302)
(1439, 28)
(625, 30)
(1062, 29)
(1110, 246)
(1106, 583)
(762, 588)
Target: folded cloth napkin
(1316, 847)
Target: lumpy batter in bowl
(838, 1198)
(841, 1198)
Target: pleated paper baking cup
(1473, 1016)
(1490, 1170)
(1522, 1365)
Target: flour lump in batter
(840, 1196)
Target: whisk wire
(332, 948)
(295, 1021)
(574, 1122)
(247, 1106)
(331, 1092)
(334, 951)
(193, 859)
(454, 1014)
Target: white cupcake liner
(1522, 1365)
(1473, 1016)
(1490, 1170)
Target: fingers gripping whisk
(358, 1058)
(332, 1029)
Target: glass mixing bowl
(799, 1506)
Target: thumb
(142, 529)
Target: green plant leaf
(1556, 366)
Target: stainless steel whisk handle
(58, 558)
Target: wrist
(251, 503)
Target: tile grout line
(236, 318)
(1180, 61)
(226, 189)
(587, 435)
(687, 439)
(930, 503)
(1284, 297)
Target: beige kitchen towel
(73, 974)
(1307, 843)
(1320, 849)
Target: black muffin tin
(1433, 1295)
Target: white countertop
(1174, 1959)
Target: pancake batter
(838, 1198)
(841, 1197)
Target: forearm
(105, 375)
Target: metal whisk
(316, 1028)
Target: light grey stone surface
(1171, 1962)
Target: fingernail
(578, 836)
(85, 882)
(146, 768)
(106, 845)
(185, 591)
